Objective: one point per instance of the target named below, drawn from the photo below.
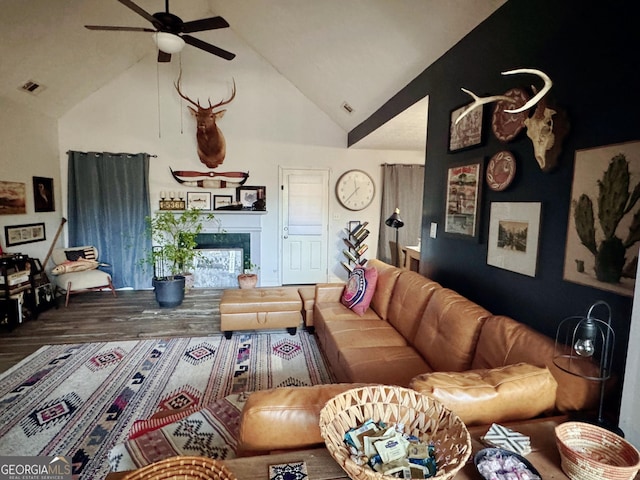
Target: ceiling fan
(170, 31)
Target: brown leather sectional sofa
(417, 334)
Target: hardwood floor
(99, 317)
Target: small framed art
(221, 201)
(251, 198)
(464, 186)
(29, 233)
(468, 132)
(43, 194)
(199, 200)
(514, 230)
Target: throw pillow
(359, 289)
(86, 253)
(77, 266)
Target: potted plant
(248, 279)
(174, 234)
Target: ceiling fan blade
(204, 24)
(207, 47)
(163, 57)
(125, 29)
(138, 10)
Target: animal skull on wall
(546, 128)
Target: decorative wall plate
(501, 170)
(506, 126)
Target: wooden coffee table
(321, 466)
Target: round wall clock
(355, 190)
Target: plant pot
(247, 280)
(169, 291)
(189, 280)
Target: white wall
(269, 124)
(29, 148)
(630, 408)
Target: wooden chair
(74, 277)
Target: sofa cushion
(504, 341)
(408, 301)
(449, 330)
(285, 418)
(325, 314)
(514, 392)
(387, 277)
(360, 332)
(359, 289)
(393, 365)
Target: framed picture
(602, 250)
(247, 196)
(220, 201)
(43, 194)
(468, 133)
(462, 210)
(514, 230)
(199, 200)
(29, 233)
(13, 198)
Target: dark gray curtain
(401, 188)
(108, 202)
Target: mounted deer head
(212, 147)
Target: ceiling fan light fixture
(168, 42)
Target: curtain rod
(127, 154)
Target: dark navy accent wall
(593, 56)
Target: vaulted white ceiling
(361, 52)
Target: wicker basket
(422, 416)
(589, 452)
(183, 468)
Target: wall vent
(347, 108)
(32, 87)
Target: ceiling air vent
(347, 108)
(34, 88)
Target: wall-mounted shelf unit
(355, 246)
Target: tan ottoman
(308, 296)
(260, 308)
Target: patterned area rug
(82, 400)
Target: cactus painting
(604, 224)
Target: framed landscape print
(220, 201)
(514, 230)
(602, 249)
(13, 198)
(464, 182)
(468, 132)
(199, 200)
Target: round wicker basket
(183, 468)
(589, 452)
(422, 416)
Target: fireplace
(226, 246)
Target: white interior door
(305, 224)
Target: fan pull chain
(158, 90)
(181, 113)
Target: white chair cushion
(83, 280)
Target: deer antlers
(197, 103)
(478, 101)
